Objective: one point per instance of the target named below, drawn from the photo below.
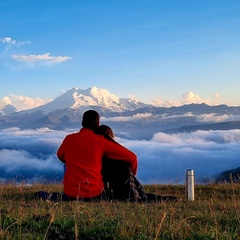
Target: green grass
(215, 214)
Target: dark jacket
(120, 182)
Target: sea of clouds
(30, 155)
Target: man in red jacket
(82, 153)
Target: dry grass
(215, 214)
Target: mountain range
(128, 117)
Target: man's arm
(60, 152)
(118, 152)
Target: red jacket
(82, 153)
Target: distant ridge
(229, 176)
(128, 117)
(207, 127)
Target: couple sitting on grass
(98, 168)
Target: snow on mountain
(76, 98)
(101, 97)
(95, 97)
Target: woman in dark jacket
(119, 180)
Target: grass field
(215, 214)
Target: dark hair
(90, 119)
(105, 131)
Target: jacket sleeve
(61, 151)
(118, 152)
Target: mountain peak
(77, 98)
(7, 109)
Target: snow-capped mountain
(77, 98)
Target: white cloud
(187, 98)
(8, 40)
(160, 102)
(32, 59)
(165, 138)
(22, 102)
(213, 118)
(4, 101)
(165, 116)
(9, 43)
(123, 119)
(166, 157)
(216, 95)
(163, 159)
(42, 58)
(191, 97)
(24, 160)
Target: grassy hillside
(229, 176)
(215, 214)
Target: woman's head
(106, 130)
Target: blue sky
(173, 51)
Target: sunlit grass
(215, 214)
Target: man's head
(90, 119)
